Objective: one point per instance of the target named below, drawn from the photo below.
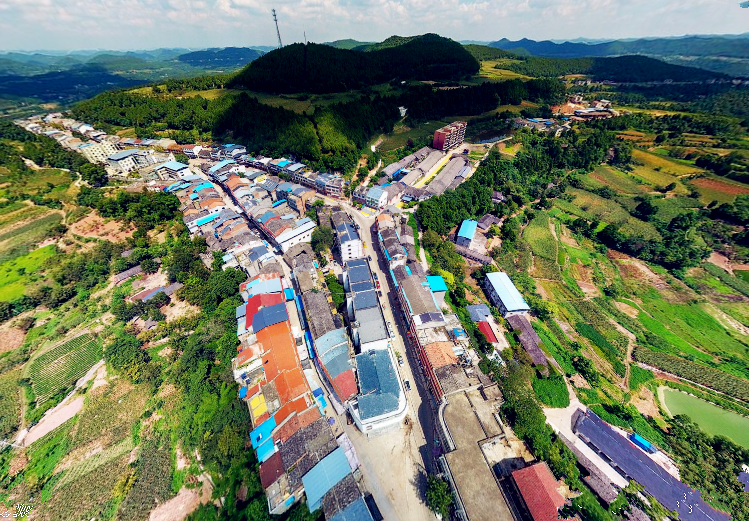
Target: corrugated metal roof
(356, 511)
(365, 300)
(478, 312)
(539, 490)
(436, 283)
(331, 339)
(508, 293)
(485, 328)
(262, 432)
(358, 273)
(468, 229)
(269, 316)
(324, 476)
(378, 383)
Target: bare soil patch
(178, 310)
(579, 381)
(644, 401)
(183, 504)
(96, 227)
(11, 338)
(627, 309)
(53, 420)
(720, 186)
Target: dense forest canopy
(317, 68)
(625, 69)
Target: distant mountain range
(69, 77)
(727, 54)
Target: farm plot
(60, 367)
(17, 241)
(617, 180)
(594, 206)
(544, 247)
(14, 274)
(717, 189)
(9, 403)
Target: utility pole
(275, 19)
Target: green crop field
(60, 367)
(22, 239)
(9, 403)
(617, 180)
(14, 274)
(552, 391)
(710, 418)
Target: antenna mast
(275, 19)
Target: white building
(173, 170)
(349, 242)
(381, 404)
(503, 294)
(302, 232)
(97, 152)
(132, 159)
(377, 198)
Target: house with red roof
(538, 489)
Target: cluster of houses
(399, 179)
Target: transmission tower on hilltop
(275, 19)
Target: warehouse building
(504, 295)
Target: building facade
(449, 136)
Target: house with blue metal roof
(504, 295)
(324, 476)
(466, 233)
(381, 404)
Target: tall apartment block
(449, 136)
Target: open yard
(402, 133)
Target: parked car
(370, 258)
(400, 360)
(407, 384)
(358, 227)
(374, 274)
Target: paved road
(395, 464)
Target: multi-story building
(466, 233)
(347, 238)
(376, 198)
(132, 159)
(450, 135)
(97, 152)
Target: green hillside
(316, 68)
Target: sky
(195, 24)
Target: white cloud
(140, 24)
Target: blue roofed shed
(324, 476)
(262, 432)
(436, 283)
(466, 233)
(356, 511)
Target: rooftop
(539, 490)
(473, 478)
(324, 476)
(636, 464)
(508, 293)
(378, 383)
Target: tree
(322, 239)
(149, 266)
(182, 158)
(439, 497)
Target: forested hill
(737, 47)
(228, 57)
(320, 69)
(625, 69)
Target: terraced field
(60, 367)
